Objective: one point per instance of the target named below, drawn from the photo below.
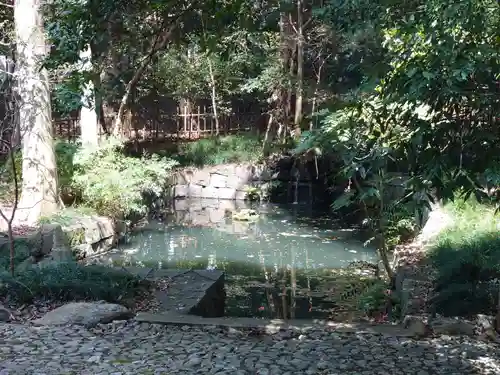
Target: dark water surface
(281, 265)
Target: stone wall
(227, 182)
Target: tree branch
(159, 43)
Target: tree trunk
(214, 95)
(314, 117)
(39, 194)
(299, 93)
(282, 104)
(89, 116)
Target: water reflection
(283, 265)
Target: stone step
(271, 325)
(198, 292)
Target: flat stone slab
(272, 325)
(198, 292)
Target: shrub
(68, 282)
(21, 252)
(220, 150)
(400, 225)
(467, 260)
(374, 300)
(64, 151)
(116, 185)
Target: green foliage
(220, 150)
(114, 184)
(68, 282)
(67, 215)
(64, 151)
(400, 226)
(117, 185)
(374, 299)
(467, 259)
(21, 252)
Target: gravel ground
(133, 348)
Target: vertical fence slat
(172, 122)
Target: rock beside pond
(91, 235)
(79, 237)
(245, 215)
(87, 314)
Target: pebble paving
(138, 348)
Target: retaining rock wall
(80, 237)
(228, 181)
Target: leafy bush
(467, 260)
(65, 152)
(21, 252)
(400, 225)
(116, 185)
(375, 299)
(68, 282)
(220, 150)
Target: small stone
(416, 326)
(157, 350)
(94, 359)
(193, 361)
(322, 365)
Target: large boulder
(87, 314)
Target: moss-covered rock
(245, 214)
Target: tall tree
(39, 193)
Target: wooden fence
(182, 124)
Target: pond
(290, 262)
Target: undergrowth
(68, 282)
(105, 179)
(220, 150)
(64, 152)
(467, 260)
(117, 185)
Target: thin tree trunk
(291, 72)
(39, 196)
(282, 104)
(268, 130)
(214, 97)
(89, 119)
(9, 219)
(313, 121)
(300, 71)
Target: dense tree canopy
(401, 101)
(381, 86)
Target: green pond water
(285, 264)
